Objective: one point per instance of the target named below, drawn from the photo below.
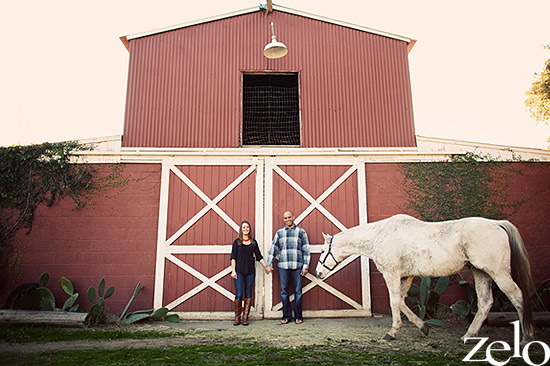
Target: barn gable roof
(126, 39)
(180, 91)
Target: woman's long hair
(250, 235)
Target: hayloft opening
(271, 109)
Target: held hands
(269, 269)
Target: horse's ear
(326, 236)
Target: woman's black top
(244, 255)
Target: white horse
(403, 247)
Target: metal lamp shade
(275, 49)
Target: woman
(243, 252)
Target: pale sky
(63, 69)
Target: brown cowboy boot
(238, 308)
(246, 311)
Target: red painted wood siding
(184, 86)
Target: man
(291, 247)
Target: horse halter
(322, 262)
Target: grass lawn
(216, 353)
(24, 334)
(235, 354)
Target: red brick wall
(532, 219)
(385, 198)
(116, 239)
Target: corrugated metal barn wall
(184, 85)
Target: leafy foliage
(138, 315)
(134, 295)
(39, 297)
(69, 304)
(464, 186)
(158, 314)
(97, 315)
(424, 298)
(538, 96)
(465, 308)
(41, 174)
(31, 175)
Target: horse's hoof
(388, 337)
(425, 329)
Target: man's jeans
(286, 276)
(243, 285)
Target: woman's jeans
(243, 285)
(286, 275)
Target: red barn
(188, 85)
(218, 133)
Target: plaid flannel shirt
(291, 246)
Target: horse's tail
(521, 272)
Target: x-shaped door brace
(205, 282)
(210, 205)
(316, 204)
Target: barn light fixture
(275, 49)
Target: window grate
(271, 110)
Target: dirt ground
(351, 333)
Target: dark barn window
(270, 109)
